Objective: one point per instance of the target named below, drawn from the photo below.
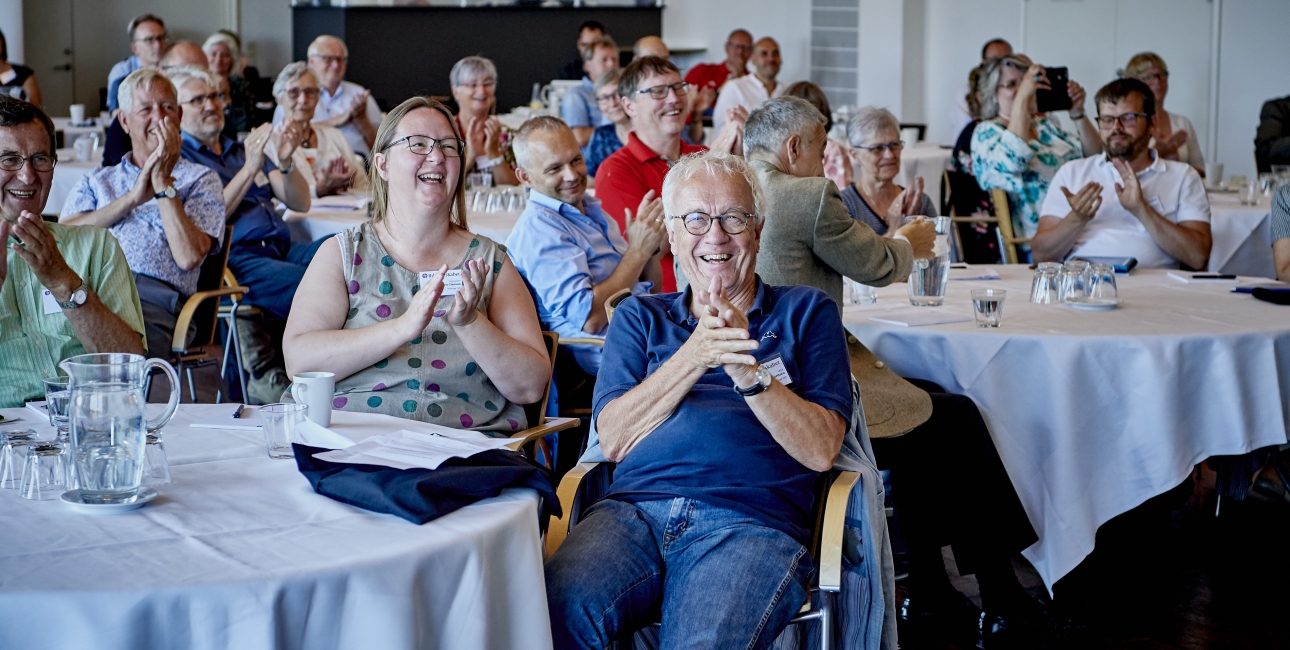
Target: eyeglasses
(1126, 120)
(327, 58)
(881, 148)
(40, 162)
(295, 93)
(151, 40)
(422, 144)
(660, 92)
(699, 223)
(602, 99)
(200, 100)
(1152, 76)
(476, 85)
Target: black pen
(238, 413)
(1212, 276)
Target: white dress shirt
(330, 106)
(1172, 188)
(746, 91)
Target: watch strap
(758, 387)
(71, 302)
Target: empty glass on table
(13, 453)
(987, 306)
(1102, 285)
(43, 471)
(1043, 289)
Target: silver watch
(76, 299)
(763, 383)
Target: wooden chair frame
(1002, 220)
(188, 356)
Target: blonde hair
(385, 135)
(1142, 62)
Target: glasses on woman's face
(294, 93)
(474, 86)
(1126, 120)
(606, 99)
(422, 144)
(660, 91)
(699, 223)
(1154, 76)
(883, 147)
(41, 162)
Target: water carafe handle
(155, 426)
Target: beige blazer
(809, 238)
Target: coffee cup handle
(298, 391)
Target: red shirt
(625, 177)
(712, 75)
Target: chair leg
(237, 349)
(826, 621)
(192, 387)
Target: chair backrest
(537, 410)
(922, 129)
(617, 299)
(1004, 216)
(211, 277)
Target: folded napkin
(420, 495)
(1277, 296)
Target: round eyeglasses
(699, 223)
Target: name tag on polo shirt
(451, 280)
(775, 366)
(50, 303)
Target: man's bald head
(765, 58)
(650, 46)
(183, 53)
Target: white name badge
(50, 303)
(775, 366)
(451, 280)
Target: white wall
(706, 23)
(11, 25)
(1253, 68)
(954, 33)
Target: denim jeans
(729, 580)
(272, 275)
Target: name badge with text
(775, 366)
(451, 280)
(49, 302)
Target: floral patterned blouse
(1000, 158)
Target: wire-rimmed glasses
(699, 223)
(422, 144)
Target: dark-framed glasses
(606, 99)
(41, 162)
(882, 147)
(327, 58)
(1152, 76)
(295, 93)
(660, 91)
(422, 144)
(1126, 120)
(699, 223)
(200, 100)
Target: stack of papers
(916, 316)
(412, 449)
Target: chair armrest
(1019, 240)
(558, 528)
(177, 344)
(589, 340)
(548, 427)
(974, 219)
(835, 519)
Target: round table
(67, 173)
(1242, 236)
(1093, 413)
(238, 552)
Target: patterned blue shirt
(604, 142)
(141, 234)
(1000, 158)
(563, 253)
(254, 219)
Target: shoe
(1031, 626)
(951, 618)
(268, 388)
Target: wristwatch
(763, 383)
(77, 298)
(168, 193)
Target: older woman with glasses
(1173, 137)
(374, 307)
(474, 88)
(330, 164)
(1017, 148)
(222, 57)
(607, 139)
(875, 199)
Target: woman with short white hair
(875, 199)
(474, 88)
(222, 57)
(330, 164)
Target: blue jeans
(272, 273)
(730, 581)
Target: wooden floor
(1166, 576)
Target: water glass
(862, 294)
(1248, 192)
(930, 277)
(156, 467)
(1267, 183)
(279, 422)
(58, 398)
(495, 200)
(42, 473)
(987, 306)
(1043, 289)
(13, 453)
(1102, 285)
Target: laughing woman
(403, 346)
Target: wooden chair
(532, 438)
(832, 496)
(230, 313)
(954, 188)
(202, 309)
(1003, 217)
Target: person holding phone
(1016, 147)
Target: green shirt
(33, 342)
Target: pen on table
(1213, 276)
(238, 413)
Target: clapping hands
(721, 337)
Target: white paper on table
(972, 273)
(39, 408)
(1188, 277)
(308, 433)
(405, 449)
(916, 316)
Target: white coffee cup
(1214, 174)
(315, 390)
(78, 113)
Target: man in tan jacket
(948, 483)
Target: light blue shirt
(119, 72)
(579, 108)
(140, 233)
(563, 254)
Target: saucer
(1093, 304)
(73, 498)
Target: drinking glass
(280, 422)
(1267, 183)
(477, 198)
(1248, 192)
(156, 467)
(42, 473)
(987, 306)
(1102, 285)
(930, 277)
(862, 294)
(1043, 289)
(13, 453)
(495, 200)
(58, 398)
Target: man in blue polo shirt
(565, 247)
(721, 405)
(262, 256)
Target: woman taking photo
(474, 88)
(404, 346)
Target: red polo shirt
(625, 177)
(711, 75)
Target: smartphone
(1056, 99)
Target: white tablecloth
(1093, 413)
(67, 173)
(239, 553)
(323, 220)
(1242, 236)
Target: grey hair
(710, 163)
(470, 69)
(870, 120)
(182, 74)
(610, 78)
(289, 74)
(520, 139)
(140, 78)
(313, 45)
(987, 84)
(601, 42)
(777, 120)
(220, 38)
